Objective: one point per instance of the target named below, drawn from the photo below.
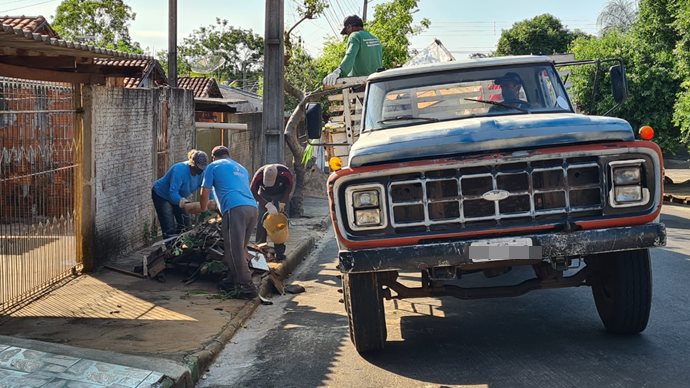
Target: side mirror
(314, 120)
(619, 85)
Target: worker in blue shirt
(169, 193)
(229, 180)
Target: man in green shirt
(363, 55)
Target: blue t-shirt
(178, 182)
(230, 180)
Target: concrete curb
(677, 199)
(199, 361)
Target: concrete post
(273, 97)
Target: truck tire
(364, 306)
(622, 289)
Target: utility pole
(273, 121)
(172, 43)
(364, 11)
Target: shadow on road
(546, 338)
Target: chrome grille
(495, 195)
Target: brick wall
(181, 123)
(125, 124)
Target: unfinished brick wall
(125, 123)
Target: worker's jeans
(172, 218)
(238, 224)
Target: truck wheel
(364, 305)
(622, 288)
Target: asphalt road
(549, 338)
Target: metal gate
(37, 188)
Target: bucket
(276, 226)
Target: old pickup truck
(483, 165)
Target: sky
(464, 27)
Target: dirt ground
(116, 312)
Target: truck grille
(485, 196)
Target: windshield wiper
(498, 103)
(409, 117)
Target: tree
(655, 24)
(543, 34)
(392, 24)
(681, 113)
(301, 73)
(242, 50)
(105, 23)
(652, 82)
(617, 15)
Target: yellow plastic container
(276, 226)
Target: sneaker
(247, 291)
(248, 295)
(226, 285)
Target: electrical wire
(27, 6)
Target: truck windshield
(442, 96)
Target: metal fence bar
(37, 188)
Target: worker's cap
(219, 151)
(270, 175)
(508, 77)
(198, 159)
(351, 21)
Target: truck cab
(482, 166)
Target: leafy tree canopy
(105, 23)
(241, 49)
(652, 83)
(543, 34)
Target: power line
(337, 2)
(325, 16)
(28, 6)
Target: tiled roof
(32, 24)
(14, 34)
(201, 86)
(149, 67)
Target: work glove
(330, 79)
(281, 207)
(271, 208)
(182, 202)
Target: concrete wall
(125, 124)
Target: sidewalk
(112, 329)
(677, 186)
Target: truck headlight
(627, 188)
(365, 198)
(366, 208)
(368, 217)
(628, 194)
(627, 175)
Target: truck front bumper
(456, 253)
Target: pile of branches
(195, 253)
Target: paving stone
(58, 359)
(24, 380)
(19, 359)
(153, 378)
(105, 374)
(7, 354)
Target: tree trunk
(296, 118)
